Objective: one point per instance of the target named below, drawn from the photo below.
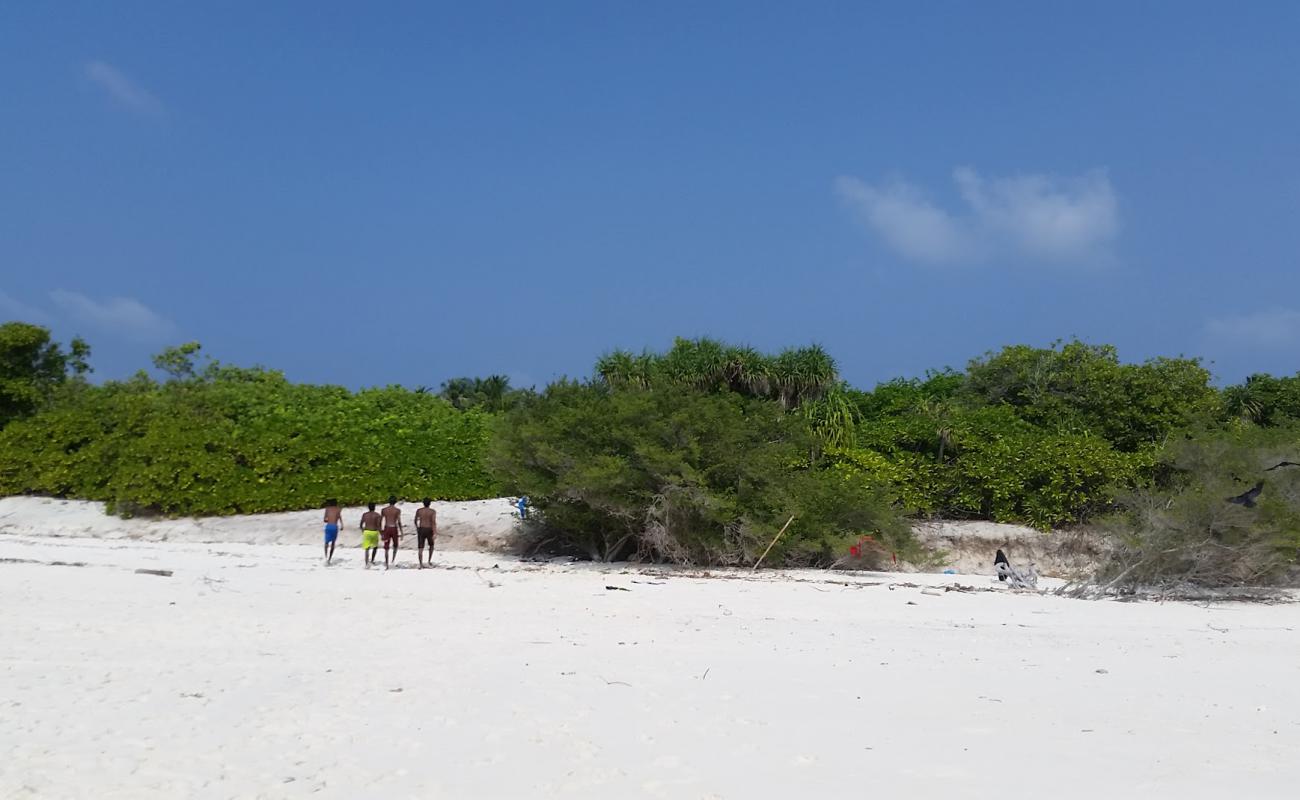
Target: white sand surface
(255, 672)
(465, 525)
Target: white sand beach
(253, 671)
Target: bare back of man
(392, 528)
(333, 521)
(426, 528)
(371, 522)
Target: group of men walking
(385, 525)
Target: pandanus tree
(792, 378)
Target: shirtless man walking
(426, 528)
(333, 521)
(370, 525)
(392, 528)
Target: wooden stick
(773, 544)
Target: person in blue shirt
(522, 505)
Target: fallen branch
(773, 543)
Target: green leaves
(32, 367)
(242, 441)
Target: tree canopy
(32, 366)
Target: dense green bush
(1082, 388)
(234, 440)
(686, 476)
(988, 463)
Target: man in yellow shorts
(370, 522)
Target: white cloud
(908, 222)
(121, 315)
(122, 89)
(1271, 328)
(1023, 217)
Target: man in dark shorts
(370, 525)
(392, 528)
(333, 521)
(426, 527)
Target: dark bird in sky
(1247, 498)
(1282, 464)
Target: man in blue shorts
(333, 520)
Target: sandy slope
(255, 672)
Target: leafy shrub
(1082, 388)
(671, 474)
(244, 441)
(989, 463)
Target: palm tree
(622, 370)
(833, 419)
(802, 374)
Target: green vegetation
(1044, 436)
(492, 394)
(223, 440)
(682, 476)
(1180, 532)
(698, 454)
(32, 367)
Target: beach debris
(1102, 671)
(614, 683)
(932, 592)
(610, 588)
(1016, 577)
(164, 573)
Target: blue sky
(400, 193)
